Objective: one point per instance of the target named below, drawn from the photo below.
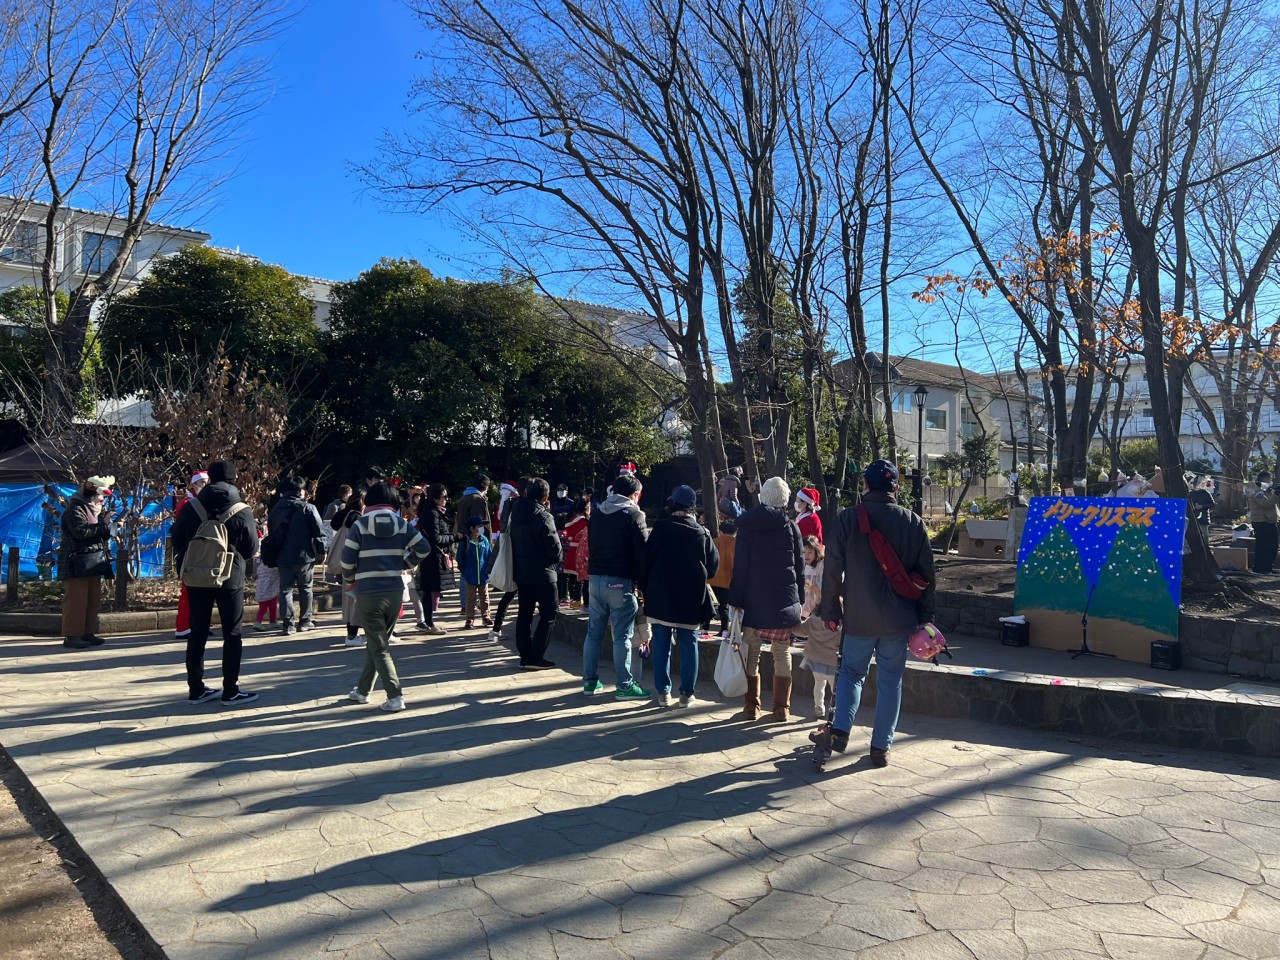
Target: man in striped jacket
(380, 546)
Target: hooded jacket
(534, 543)
(473, 560)
(615, 539)
(380, 546)
(84, 528)
(303, 531)
(855, 590)
(242, 532)
(768, 569)
(473, 504)
(679, 557)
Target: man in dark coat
(218, 497)
(299, 523)
(535, 552)
(858, 598)
(768, 587)
(616, 534)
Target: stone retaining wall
(1243, 648)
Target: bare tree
(135, 97)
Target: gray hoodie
(615, 539)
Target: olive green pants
(377, 613)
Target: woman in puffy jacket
(436, 529)
(768, 587)
(83, 557)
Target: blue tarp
(34, 531)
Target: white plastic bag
(502, 576)
(731, 675)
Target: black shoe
(539, 665)
(204, 696)
(241, 696)
(94, 639)
(288, 630)
(77, 643)
(879, 758)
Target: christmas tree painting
(1132, 587)
(1050, 578)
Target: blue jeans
(891, 659)
(613, 600)
(661, 645)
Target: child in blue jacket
(473, 562)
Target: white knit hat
(775, 492)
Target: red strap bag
(908, 585)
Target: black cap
(223, 471)
(683, 496)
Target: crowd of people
(768, 577)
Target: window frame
(14, 252)
(88, 258)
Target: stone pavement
(505, 815)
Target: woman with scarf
(83, 559)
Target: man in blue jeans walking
(876, 620)
(616, 534)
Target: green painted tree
(1132, 587)
(199, 299)
(1050, 578)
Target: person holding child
(473, 564)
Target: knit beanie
(775, 492)
(223, 471)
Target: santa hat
(627, 469)
(198, 477)
(810, 496)
(509, 489)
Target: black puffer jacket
(83, 529)
(855, 590)
(679, 558)
(768, 569)
(242, 531)
(615, 539)
(534, 543)
(438, 532)
(303, 531)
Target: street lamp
(917, 476)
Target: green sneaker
(592, 687)
(632, 691)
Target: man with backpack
(297, 535)
(871, 611)
(212, 539)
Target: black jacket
(438, 532)
(534, 543)
(79, 533)
(242, 532)
(768, 569)
(855, 590)
(303, 531)
(679, 558)
(615, 538)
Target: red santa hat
(197, 477)
(627, 470)
(509, 489)
(810, 496)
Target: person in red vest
(807, 505)
(182, 625)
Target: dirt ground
(54, 905)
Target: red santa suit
(807, 506)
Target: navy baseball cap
(683, 496)
(881, 475)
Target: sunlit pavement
(504, 814)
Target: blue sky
(342, 72)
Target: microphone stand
(1084, 650)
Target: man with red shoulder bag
(877, 588)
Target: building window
(24, 245)
(1144, 413)
(97, 252)
(936, 419)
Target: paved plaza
(505, 815)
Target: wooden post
(122, 577)
(11, 587)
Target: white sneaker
(392, 704)
(664, 699)
(355, 696)
(356, 641)
(495, 636)
(686, 700)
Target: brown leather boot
(781, 698)
(751, 699)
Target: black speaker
(1015, 634)
(1166, 655)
